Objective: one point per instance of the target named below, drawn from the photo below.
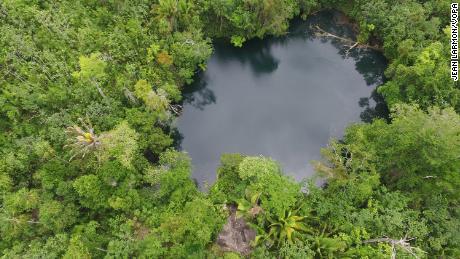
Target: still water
(279, 97)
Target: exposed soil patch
(236, 235)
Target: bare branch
(353, 44)
(19, 221)
(176, 108)
(402, 243)
(100, 90)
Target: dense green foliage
(88, 93)
(384, 180)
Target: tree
(154, 100)
(284, 228)
(417, 151)
(92, 70)
(427, 82)
(119, 143)
(390, 187)
(417, 157)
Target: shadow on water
(177, 138)
(198, 94)
(256, 53)
(369, 63)
(377, 110)
(258, 56)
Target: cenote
(282, 97)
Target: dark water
(279, 97)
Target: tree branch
(402, 243)
(322, 33)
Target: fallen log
(352, 44)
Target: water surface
(279, 97)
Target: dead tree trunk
(352, 44)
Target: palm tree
(82, 141)
(284, 228)
(249, 206)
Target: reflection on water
(198, 94)
(280, 97)
(256, 53)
